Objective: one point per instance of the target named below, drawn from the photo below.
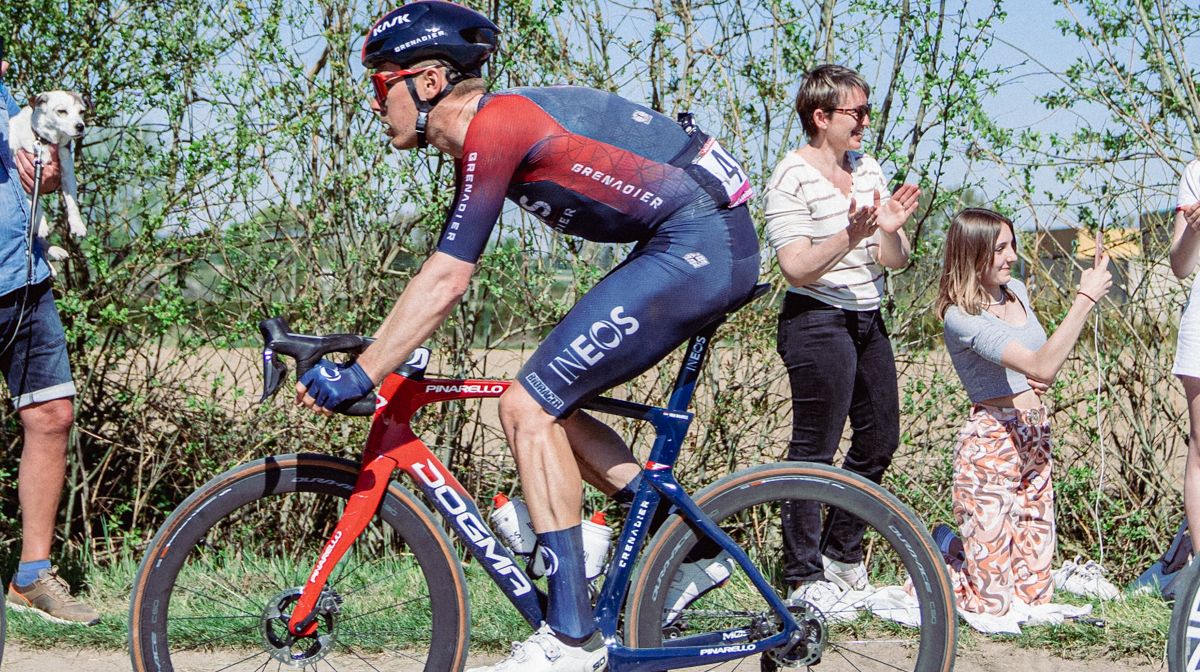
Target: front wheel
(749, 506)
(217, 584)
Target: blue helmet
(432, 30)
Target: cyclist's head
(428, 34)
(432, 30)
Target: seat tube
(689, 371)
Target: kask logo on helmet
(389, 24)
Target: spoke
(219, 637)
(377, 581)
(209, 598)
(204, 618)
(383, 608)
(395, 652)
(842, 651)
(238, 662)
(390, 634)
(356, 654)
(344, 575)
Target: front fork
(364, 501)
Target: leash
(30, 239)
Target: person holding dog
(1003, 496)
(38, 373)
(590, 164)
(835, 228)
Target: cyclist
(590, 164)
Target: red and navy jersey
(586, 162)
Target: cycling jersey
(586, 162)
(594, 165)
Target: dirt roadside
(988, 656)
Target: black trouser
(840, 364)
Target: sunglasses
(859, 113)
(382, 82)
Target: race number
(717, 162)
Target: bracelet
(1086, 296)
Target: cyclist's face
(393, 103)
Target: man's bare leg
(42, 473)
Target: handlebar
(308, 349)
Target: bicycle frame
(392, 444)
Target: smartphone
(3, 53)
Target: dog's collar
(40, 139)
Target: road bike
(313, 561)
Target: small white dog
(50, 122)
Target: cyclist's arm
(422, 307)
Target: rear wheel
(747, 506)
(218, 582)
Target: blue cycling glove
(332, 384)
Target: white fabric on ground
(896, 604)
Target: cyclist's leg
(821, 359)
(604, 459)
(624, 325)
(875, 421)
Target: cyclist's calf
(549, 476)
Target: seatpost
(689, 370)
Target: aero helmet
(432, 29)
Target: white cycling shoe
(543, 652)
(693, 580)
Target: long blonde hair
(970, 248)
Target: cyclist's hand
(327, 385)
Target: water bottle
(597, 536)
(510, 519)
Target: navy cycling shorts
(700, 263)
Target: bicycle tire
(1183, 637)
(210, 569)
(747, 503)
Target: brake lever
(274, 373)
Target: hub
(289, 649)
(807, 644)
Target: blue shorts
(35, 364)
(700, 263)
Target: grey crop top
(976, 343)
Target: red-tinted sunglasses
(382, 82)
